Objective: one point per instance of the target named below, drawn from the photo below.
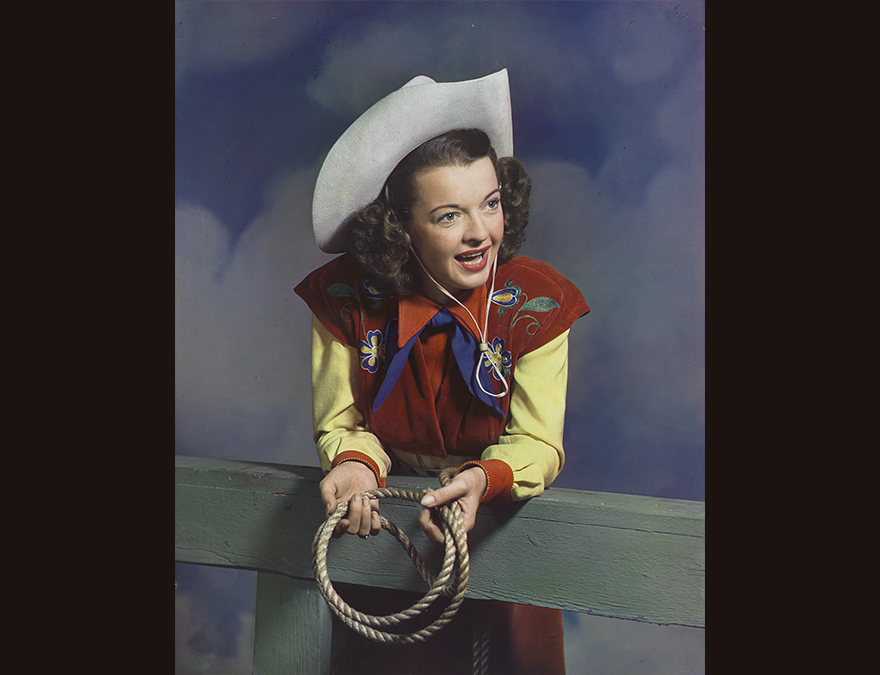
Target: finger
(355, 509)
(426, 519)
(341, 527)
(430, 527)
(441, 496)
(375, 523)
(366, 517)
(375, 520)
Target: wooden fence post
(292, 627)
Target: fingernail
(428, 500)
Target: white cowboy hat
(365, 155)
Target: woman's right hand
(347, 482)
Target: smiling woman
(468, 216)
(419, 207)
(457, 356)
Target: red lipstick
(475, 260)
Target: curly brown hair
(379, 234)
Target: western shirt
(430, 418)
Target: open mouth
(473, 260)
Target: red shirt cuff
(499, 480)
(355, 456)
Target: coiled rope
(455, 558)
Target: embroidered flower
(506, 297)
(497, 358)
(371, 291)
(372, 351)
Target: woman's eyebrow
(444, 206)
(456, 206)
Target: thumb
(442, 495)
(328, 496)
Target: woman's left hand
(467, 487)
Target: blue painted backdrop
(608, 110)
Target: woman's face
(457, 226)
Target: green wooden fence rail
(615, 555)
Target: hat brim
(365, 155)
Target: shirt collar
(414, 311)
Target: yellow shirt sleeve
(338, 423)
(532, 441)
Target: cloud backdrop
(608, 119)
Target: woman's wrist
(499, 479)
(355, 457)
(480, 475)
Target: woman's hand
(346, 482)
(467, 487)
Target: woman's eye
(493, 203)
(446, 218)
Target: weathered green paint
(624, 556)
(292, 627)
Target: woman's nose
(476, 231)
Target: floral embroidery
(541, 304)
(371, 291)
(510, 295)
(372, 351)
(498, 356)
(507, 297)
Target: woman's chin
(471, 280)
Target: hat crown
(419, 79)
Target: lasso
(456, 556)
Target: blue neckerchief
(464, 348)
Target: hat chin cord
(484, 346)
